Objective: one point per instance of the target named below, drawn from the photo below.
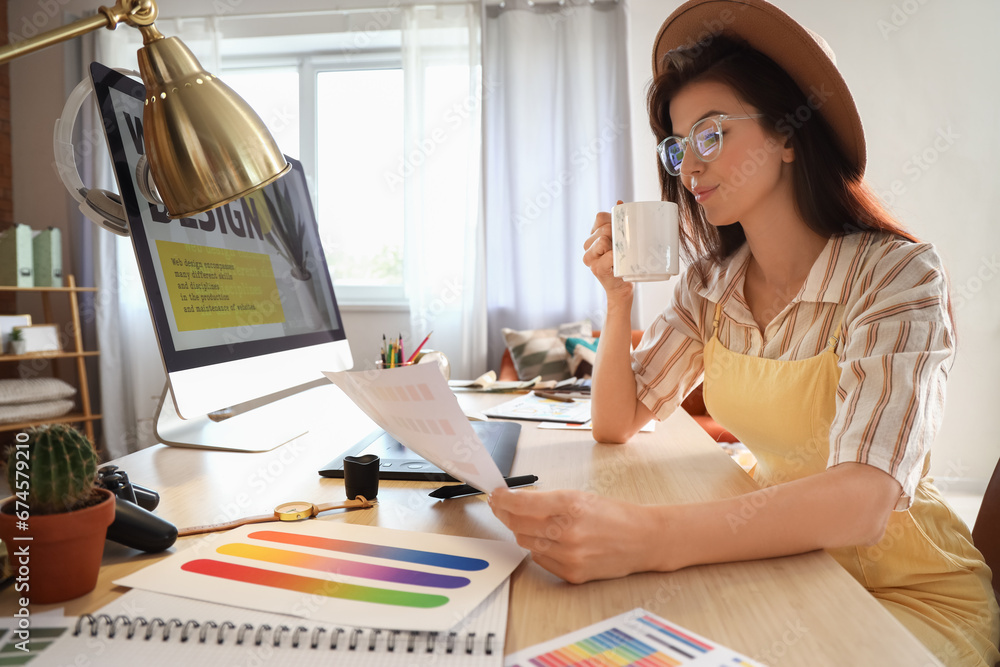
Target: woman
(821, 328)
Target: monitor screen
(241, 297)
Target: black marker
(446, 492)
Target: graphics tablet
(398, 462)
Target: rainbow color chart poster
(338, 573)
(636, 638)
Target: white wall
(923, 74)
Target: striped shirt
(891, 297)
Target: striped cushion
(582, 354)
(541, 352)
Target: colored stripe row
(408, 392)
(347, 568)
(433, 558)
(677, 641)
(311, 585)
(425, 426)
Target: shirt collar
(829, 280)
(833, 273)
(725, 277)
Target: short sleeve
(668, 362)
(898, 348)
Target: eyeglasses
(705, 138)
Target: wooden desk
(799, 610)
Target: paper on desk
(337, 573)
(488, 382)
(415, 406)
(643, 638)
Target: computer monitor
(241, 298)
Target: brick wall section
(6, 186)
(7, 299)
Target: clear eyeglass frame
(705, 138)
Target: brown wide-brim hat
(804, 55)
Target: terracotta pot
(64, 553)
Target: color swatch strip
(311, 586)
(611, 647)
(677, 635)
(433, 558)
(349, 568)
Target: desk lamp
(206, 146)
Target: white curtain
(132, 375)
(557, 152)
(443, 182)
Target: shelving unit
(85, 416)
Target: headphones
(100, 206)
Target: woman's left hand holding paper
(576, 535)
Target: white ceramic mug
(644, 239)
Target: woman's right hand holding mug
(599, 258)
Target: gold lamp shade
(206, 147)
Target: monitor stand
(255, 426)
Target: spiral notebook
(154, 630)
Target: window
(360, 207)
(342, 116)
(394, 178)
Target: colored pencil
(414, 355)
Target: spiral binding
(282, 636)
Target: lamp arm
(138, 13)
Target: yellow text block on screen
(212, 288)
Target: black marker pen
(446, 492)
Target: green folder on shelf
(16, 257)
(47, 252)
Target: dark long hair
(830, 192)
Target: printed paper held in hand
(416, 407)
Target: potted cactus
(55, 524)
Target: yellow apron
(925, 570)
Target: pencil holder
(379, 364)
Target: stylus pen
(446, 492)
(553, 397)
